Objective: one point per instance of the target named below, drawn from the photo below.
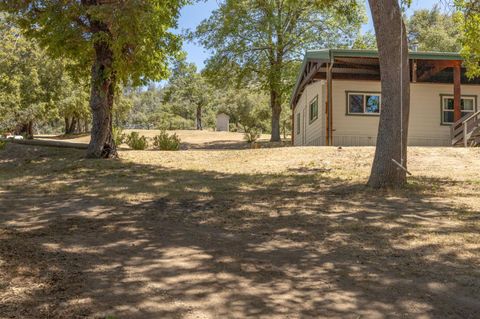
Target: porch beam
(438, 66)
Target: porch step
(466, 131)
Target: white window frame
(311, 120)
(364, 94)
(463, 97)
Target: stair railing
(464, 128)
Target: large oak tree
(116, 40)
(262, 40)
(395, 81)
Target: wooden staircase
(466, 131)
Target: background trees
(434, 30)
(119, 41)
(262, 41)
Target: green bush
(118, 136)
(166, 142)
(252, 135)
(136, 142)
(3, 144)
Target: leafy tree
(261, 41)
(29, 82)
(189, 93)
(469, 21)
(392, 137)
(119, 41)
(432, 30)
(365, 41)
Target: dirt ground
(264, 233)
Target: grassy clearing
(272, 233)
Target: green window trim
(313, 110)
(443, 110)
(363, 99)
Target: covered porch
(363, 65)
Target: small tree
(118, 41)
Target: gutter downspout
(329, 136)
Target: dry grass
(190, 139)
(267, 233)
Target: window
(363, 103)
(314, 109)
(298, 123)
(467, 105)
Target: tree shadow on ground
(96, 238)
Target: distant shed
(223, 122)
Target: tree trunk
(198, 118)
(67, 124)
(101, 101)
(73, 126)
(276, 105)
(394, 71)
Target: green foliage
(432, 30)
(138, 32)
(166, 142)
(365, 41)
(3, 144)
(261, 41)
(252, 134)
(136, 142)
(468, 18)
(118, 136)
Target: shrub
(252, 134)
(118, 136)
(136, 142)
(3, 144)
(166, 142)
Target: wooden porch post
(457, 94)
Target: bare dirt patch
(268, 233)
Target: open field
(264, 233)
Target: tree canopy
(262, 41)
(433, 30)
(119, 41)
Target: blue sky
(192, 15)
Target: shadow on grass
(92, 238)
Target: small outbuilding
(223, 122)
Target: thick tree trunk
(393, 128)
(198, 118)
(276, 105)
(101, 102)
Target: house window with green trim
(363, 103)
(467, 105)
(313, 109)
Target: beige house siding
(310, 133)
(425, 128)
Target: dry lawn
(266, 233)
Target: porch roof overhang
(434, 67)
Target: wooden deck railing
(463, 129)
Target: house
(336, 100)
(223, 122)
